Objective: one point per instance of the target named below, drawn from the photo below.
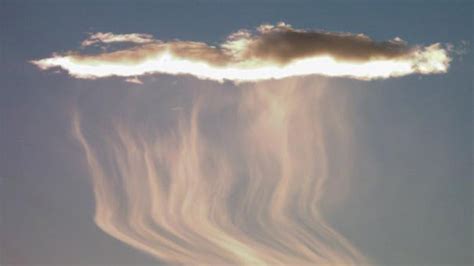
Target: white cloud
(109, 37)
(270, 52)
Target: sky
(398, 148)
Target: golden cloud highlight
(270, 52)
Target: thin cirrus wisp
(249, 194)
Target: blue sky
(410, 199)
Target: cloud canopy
(269, 52)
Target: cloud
(269, 52)
(246, 194)
(109, 37)
(134, 80)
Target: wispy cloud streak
(187, 199)
(108, 37)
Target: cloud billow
(269, 52)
